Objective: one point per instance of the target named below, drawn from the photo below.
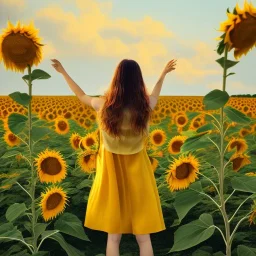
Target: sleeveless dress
(124, 198)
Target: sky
(90, 38)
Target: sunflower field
(202, 150)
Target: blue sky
(91, 37)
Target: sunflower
(182, 172)
(20, 46)
(87, 161)
(74, 140)
(175, 144)
(239, 160)
(181, 119)
(157, 137)
(243, 132)
(51, 166)
(90, 141)
(154, 163)
(240, 29)
(61, 125)
(11, 139)
(53, 202)
(239, 144)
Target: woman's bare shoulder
(97, 102)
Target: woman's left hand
(58, 66)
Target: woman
(124, 196)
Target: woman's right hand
(170, 66)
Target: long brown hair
(127, 90)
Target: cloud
(13, 3)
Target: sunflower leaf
(9, 232)
(14, 211)
(234, 11)
(228, 10)
(230, 74)
(221, 47)
(244, 250)
(229, 63)
(193, 233)
(70, 250)
(39, 74)
(236, 116)
(39, 132)
(215, 99)
(21, 98)
(244, 183)
(69, 223)
(17, 122)
(186, 200)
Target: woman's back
(129, 142)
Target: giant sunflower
(239, 144)
(239, 160)
(176, 143)
(87, 161)
(61, 125)
(51, 166)
(240, 29)
(11, 139)
(252, 217)
(181, 119)
(157, 137)
(20, 46)
(53, 202)
(182, 172)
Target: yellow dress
(124, 196)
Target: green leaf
(84, 183)
(244, 183)
(185, 200)
(236, 116)
(215, 99)
(14, 211)
(201, 253)
(221, 47)
(8, 232)
(10, 153)
(206, 127)
(21, 98)
(17, 122)
(37, 74)
(193, 233)
(70, 250)
(229, 63)
(243, 250)
(41, 253)
(39, 132)
(230, 74)
(39, 229)
(69, 223)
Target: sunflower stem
(230, 195)
(211, 182)
(33, 180)
(215, 144)
(23, 189)
(222, 174)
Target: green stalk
(221, 174)
(33, 181)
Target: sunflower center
(19, 49)
(76, 142)
(158, 138)
(89, 142)
(62, 125)
(244, 33)
(177, 145)
(87, 158)
(182, 171)
(236, 144)
(181, 120)
(53, 201)
(12, 137)
(51, 166)
(237, 163)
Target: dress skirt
(124, 196)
